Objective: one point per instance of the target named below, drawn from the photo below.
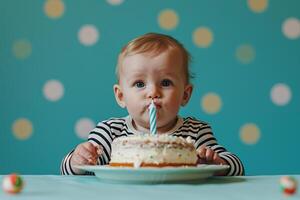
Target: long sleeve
(103, 134)
(206, 138)
(67, 169)
(65, 166)
(201, 133)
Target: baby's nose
(154, 92)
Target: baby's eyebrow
(172, 75)
(136, 75)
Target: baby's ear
(119, 95)
(187, 94)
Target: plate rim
(108, 167)
(157, 175)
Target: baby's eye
(139, 84)
(166, 83)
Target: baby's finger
(92, 149)
(202, 152)
(99, 149)
(78, 160)
(89, 158)
(201, 161)
(92, 161)
(88, 155)
(209, 154)
(218, 160)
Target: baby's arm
(208, 156)
(209, 151)
(85, 153)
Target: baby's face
(144, 77)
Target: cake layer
(152, 150)
(152, 165)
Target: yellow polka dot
(211, 103)
(203, 37)
(249, 133)
(168, 19)
(54, 8)
(21, 49)
(245, 53)
(258, 6)
(22, 128)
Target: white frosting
(149, 149)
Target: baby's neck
(160, 130)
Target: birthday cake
(152, 151)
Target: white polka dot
(291, 28)
(53, 90)
(88, 35)
(115, 2)
(281, 94)
(83, 127)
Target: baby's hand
(86, 154)
(207, 156)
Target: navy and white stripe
(198, 131)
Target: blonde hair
(155, 44)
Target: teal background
(87, 74)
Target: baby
(151, 67)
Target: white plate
(153, 175)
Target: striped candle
(152, 116)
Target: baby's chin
(144, 123)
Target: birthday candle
(152, 116)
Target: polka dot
(203, 37)
(245, 54)
(115, 2)
(54, 8)
(83, 127)
(281, 94)
(291, 28)
(211, 103)
(53, 90)
(21, 49)
(88, 35)
(249, 133)
(258, 6)
(168, 19)
(22, 128)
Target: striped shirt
(198, 131)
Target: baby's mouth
(157, 105)
(158, 109)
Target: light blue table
(41, 187)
